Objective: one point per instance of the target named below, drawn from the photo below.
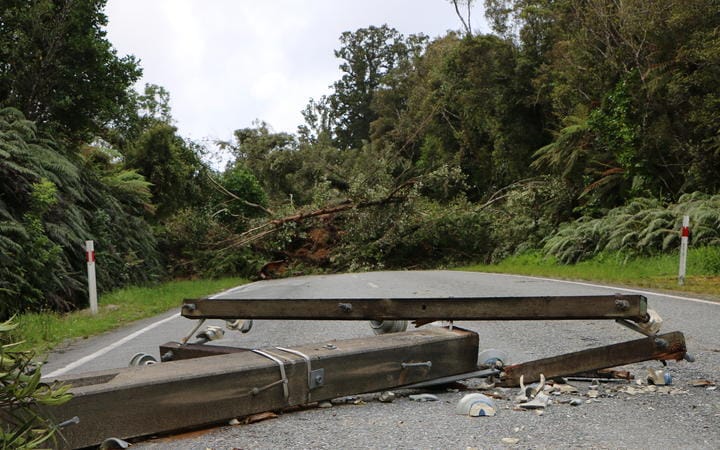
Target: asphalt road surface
(678, 416)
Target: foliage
(193, 241)
(367, 55)
(173, 168)
(247, 198)
(641, 71)
(419, 233)
(48, 212)
(466, 103)
(58, 68)
(21, 393)
(642, 227)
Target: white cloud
(228, 62)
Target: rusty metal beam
(175, 351)
(633, 307)
(663, 347)
(176, 395)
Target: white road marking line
(373, 285)
(233, 289)
(657, 294)
(109, 348)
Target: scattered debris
(493, 359)
(575, 402)
(529, 392)
(559, 389)
(702, 383)
(255, 418)
(233, 422)
(424, 398)
(485, 385)
(476, 405)
(113, 443)
(343, 400)
(325, 405)
(539, 402)
(387, 397)
(602, 374)
(659, 377)
(510, 441)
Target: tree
(464, 19)
(57, 67)
(171, 165)
(636, 74)
(467, 105)
(368, 54)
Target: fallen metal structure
(629, 307)
(199, 384)
(160, 398)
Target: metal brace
(316, 378)
(427, 364)
(283, 380)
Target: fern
(643, 226)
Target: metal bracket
(317, 379)
(283, 380)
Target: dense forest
(575, 127)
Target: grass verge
(40, 332)
(657, 272)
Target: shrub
(21, 393)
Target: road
(686, 418)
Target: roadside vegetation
(653, 272)
(39, 332)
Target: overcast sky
(229, 62)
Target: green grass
(41, 332)
(658, 272)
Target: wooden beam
(176, 395)
(662, 347)
(617, 306)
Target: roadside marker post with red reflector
(92, 285)
(684, 237)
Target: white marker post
(684, 237)
(92, 285)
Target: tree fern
(643, 226)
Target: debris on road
(702, 383)
(540, 401)
(423, 398)
(510, 441)
(476, 405)
(387, 397)
(113, 443)
(255, 418)
(659, 377)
